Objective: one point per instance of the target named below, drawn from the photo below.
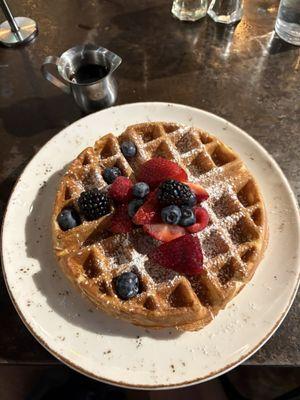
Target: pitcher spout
(111, 58)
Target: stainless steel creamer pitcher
(86, 72)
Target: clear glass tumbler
(226, 11)
(189, 10)
(287, 24)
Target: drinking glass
(287, 24)
(226, 11)
(189, 10)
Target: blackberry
(174, 192)
(93, 204)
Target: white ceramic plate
(114, 351)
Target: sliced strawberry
(149, 212)
(159, 169)
(121, 222)
(199, 191)
(202, 219)
(121, 189)
(182, 255)
(164, 232)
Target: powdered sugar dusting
(132, 250)
(225, 211)
(93, 179)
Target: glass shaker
(226, 11)
(189, 10)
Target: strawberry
(149, 212)
(200, 192)
(159, 169)
(164, 232)
(121, 222)
(202, 219)
(182, 255)
(121, 189)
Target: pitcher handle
(50, 77)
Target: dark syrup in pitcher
(89, 73)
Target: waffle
(233, 243)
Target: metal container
(90, 96)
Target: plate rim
(204, 378)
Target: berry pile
(172, 209)
(162, 202)
(167, 212)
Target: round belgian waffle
(233, 243)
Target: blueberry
(68, 219)
(140, 190)
(133, 206)
(171, 215)
(127, 285)
(110, 174)
(188, 217)
(128, 149)
(192, 200)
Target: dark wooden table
(245, 75)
